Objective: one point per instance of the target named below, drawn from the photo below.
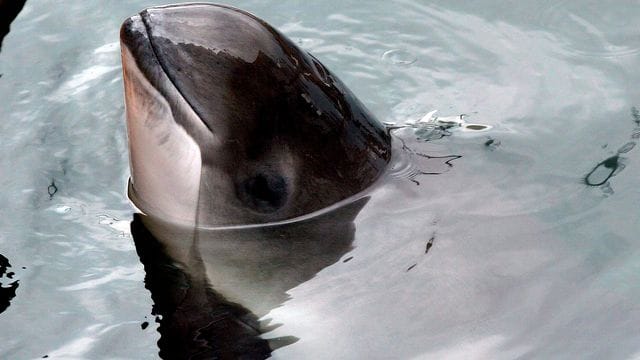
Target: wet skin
(230, 123)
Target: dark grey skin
(230, 123)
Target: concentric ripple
(399, 57)
(410, 164)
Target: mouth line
(144, 16)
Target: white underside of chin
(165, 161)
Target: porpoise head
(230, 123)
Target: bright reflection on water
(532, 233)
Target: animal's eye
(263, 192)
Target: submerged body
(212, 287)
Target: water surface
(523, 246)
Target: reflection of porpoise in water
(236, 138)
(211, 286)
(9, 10)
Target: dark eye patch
(263, 192)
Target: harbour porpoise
(230, 123)
(247, 160)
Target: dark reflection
(9, 9)
(602, 172)
(492, 144)
(52, 189)
(612, 165)
(8, 285)
(210, 287)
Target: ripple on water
(410, 164)
(626, 147)
(613, 165)
(591, 28)
(602, 172)
(399, 57)
(62, 209)
(402, 166)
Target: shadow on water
(9, 10)
(613, 165)
(210, 287)
(7, 291)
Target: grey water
(516, 242)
